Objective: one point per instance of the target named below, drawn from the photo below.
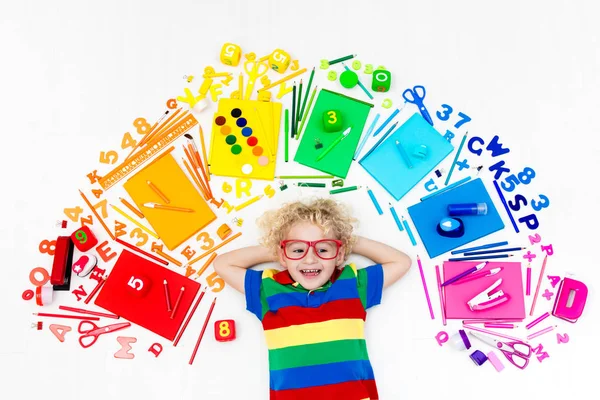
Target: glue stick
(467, 209)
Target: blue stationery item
(375, 202)
(462, 143)
(398, 223)
(426, 215)
(366, 137)
(451, 186)
(484, 246)
(416, 96)
(387, 121)
(409, 232)
(384, 162)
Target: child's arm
(394, 262)
(232, 266)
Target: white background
(74, 75)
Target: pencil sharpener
(420, 151)
(451, 227)
(337, 182)
(224, 231)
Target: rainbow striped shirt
(316, 340)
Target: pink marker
(499, 326)
(537, 320)
(474, 328)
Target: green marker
(309, 184)
(287, 131)
(345, 189)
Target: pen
(465, 273)
(341, 137)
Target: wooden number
(142, 126)
(206, 239)
(73, 213)
(214, 279)
(48, 246)
(109, 157)
(127, 141)
(138, 233)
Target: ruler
(150, 150)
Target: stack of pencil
(471, 254)
(198, 166)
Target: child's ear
(282, 259)
(339, 261)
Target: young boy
(313, 311)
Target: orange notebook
(173, 227)
(135, 291)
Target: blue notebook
(386, 165)
(427, 214)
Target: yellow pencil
(148, 231)
(287, 78)
(212, 250)
(241, 84)
(246, 204)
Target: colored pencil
(398, 223)
(67, 316)
(479, 257)
(366, 137)
(304, 118)
(158, 192)
(294, 110)
(441, 292)
(189, 317)
(425, 287)
(94, 291)
(537, 289)
(305, 176)
(528, 281)
(299, 105)
(312, 74)
(176, 306)
(339, 60)
(409, 232)
(284, 79)
(203, 329)
(287, 131)
(309, 184)
(372, 149)
(387, 121)
(485, 246)
(499, 326)
(206, 264)
(131, 207)
(462, 143)
(374, 201)
(167, 297)
(477, 253)
(247, 203)
(137, 249)
(360, 84)
(148, 231)
(333, 144)
(158, 206)
(403, 153)
(204, 157)
(477, 329)
(537, 320)
(344, 189)
(207, 252)
(489, 321)
(453, 185)
(97, 215)
(539, 333)
(89, 312)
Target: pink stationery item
(499, 326)
(511, 302)
(490, 321)
(441, 292)
(425, 287)
(489, 298)
(528, 285)
(570, 300)
(539, 333)
(537, 320)
(474, 328)
(495, 361)
(478, 275)
(537, 289)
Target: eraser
(495, 361)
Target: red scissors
(91, 331)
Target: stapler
(487, 299)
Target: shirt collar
(285, 278)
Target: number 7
(464, 120)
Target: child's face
(311, 271)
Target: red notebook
(135, 291)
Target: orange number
(142, 126)
(47, 246)
(73, 213)
(206, 239)
(213, 279)
(128, 141)
(109, 157)
(138, 233)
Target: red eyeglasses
(325, 249)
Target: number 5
(214, 278)
(277, 56)
(134, 282)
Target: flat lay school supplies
(386, 165)
(338, 161)
(134, 290)
(91, 332)
(517, 352)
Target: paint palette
(245, 138)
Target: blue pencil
(479, 258)
(381, 139)
(374, 200)
(364, 140)
(462, 142)
(387, 121)
(398, 223)
(360, 84)
(410, 234)
(478, 253)
(468, 178)
(484, 246)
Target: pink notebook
(458, 294)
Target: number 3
(134, 282)
(332, 117)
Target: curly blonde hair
(327, 214)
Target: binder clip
(61, 224)
(486, 299)
(282, 185)
(337, 182)
(570, 301)
(318, 144)
(237, 221)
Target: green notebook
(337, 162)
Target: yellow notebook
(244, 139)
(173, 227)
